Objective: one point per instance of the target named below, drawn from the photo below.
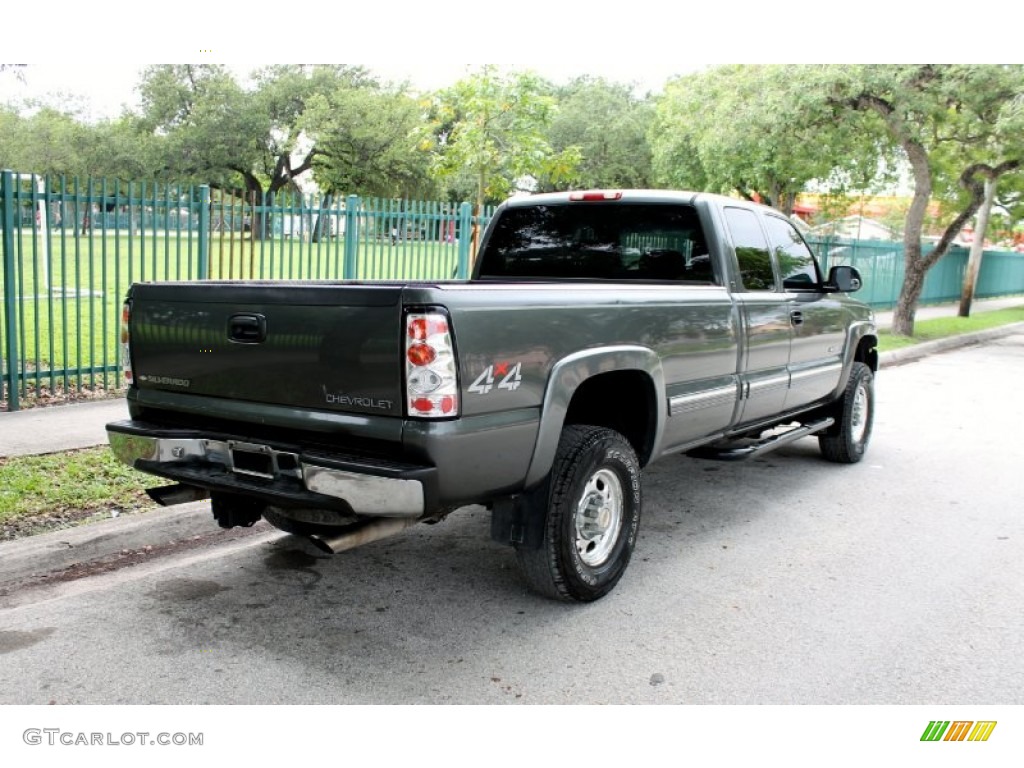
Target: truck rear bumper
(365, 487)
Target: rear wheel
(593, 514)
(846, 441)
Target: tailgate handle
(247, 329)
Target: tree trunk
(915, 265)
(910, 293)
(325, 210)
(977, 249)
(254, 196)
(478, 207)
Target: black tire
(593, 515)
(846, 441)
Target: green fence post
(465, 239)
(10, 291)
(351, 238)
(203, 272)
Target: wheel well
(620, 400)
(867, 352)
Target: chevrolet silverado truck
(599, 331)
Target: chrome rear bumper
(372, 490)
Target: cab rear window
(598, 241)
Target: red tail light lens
(126, 354)
(431, 383)
(421, 354)
(422, 327)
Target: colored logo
(958, 730)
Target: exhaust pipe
(363, 534)
(169, 495)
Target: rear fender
(568, 375)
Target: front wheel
(846, 441)
(593, 514)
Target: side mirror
(843, 279)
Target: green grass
(943, 327)
(61, 489)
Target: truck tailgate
(333, 347)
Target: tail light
(126, 356)
(431, 384)
(594, 197)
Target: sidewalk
(58, 427)
(66, 427)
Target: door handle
(247, 329)
(796, 317)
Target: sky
(97, 52)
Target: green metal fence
(71, 248)
(882, 268)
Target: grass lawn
(59, 490)
(941, 327)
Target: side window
(796, 262)
(751, 249)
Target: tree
(210, 130)
(221, 133)
(607, 124)
(366, 142)
(747, 129)
(1009, 131)
(977, 247)
(952, 124)
(493, 126)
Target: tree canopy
(606, 125)
(366, 141)
(752, 130)
(491, 129)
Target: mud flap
(520, 520)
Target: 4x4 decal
(509, 373)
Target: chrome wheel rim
(859, 414)
(599, 517)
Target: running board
(761, 446)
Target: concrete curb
(35, 556)
(55, 551)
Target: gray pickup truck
(599, 331)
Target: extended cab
(599, 332)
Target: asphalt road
(782, 580)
